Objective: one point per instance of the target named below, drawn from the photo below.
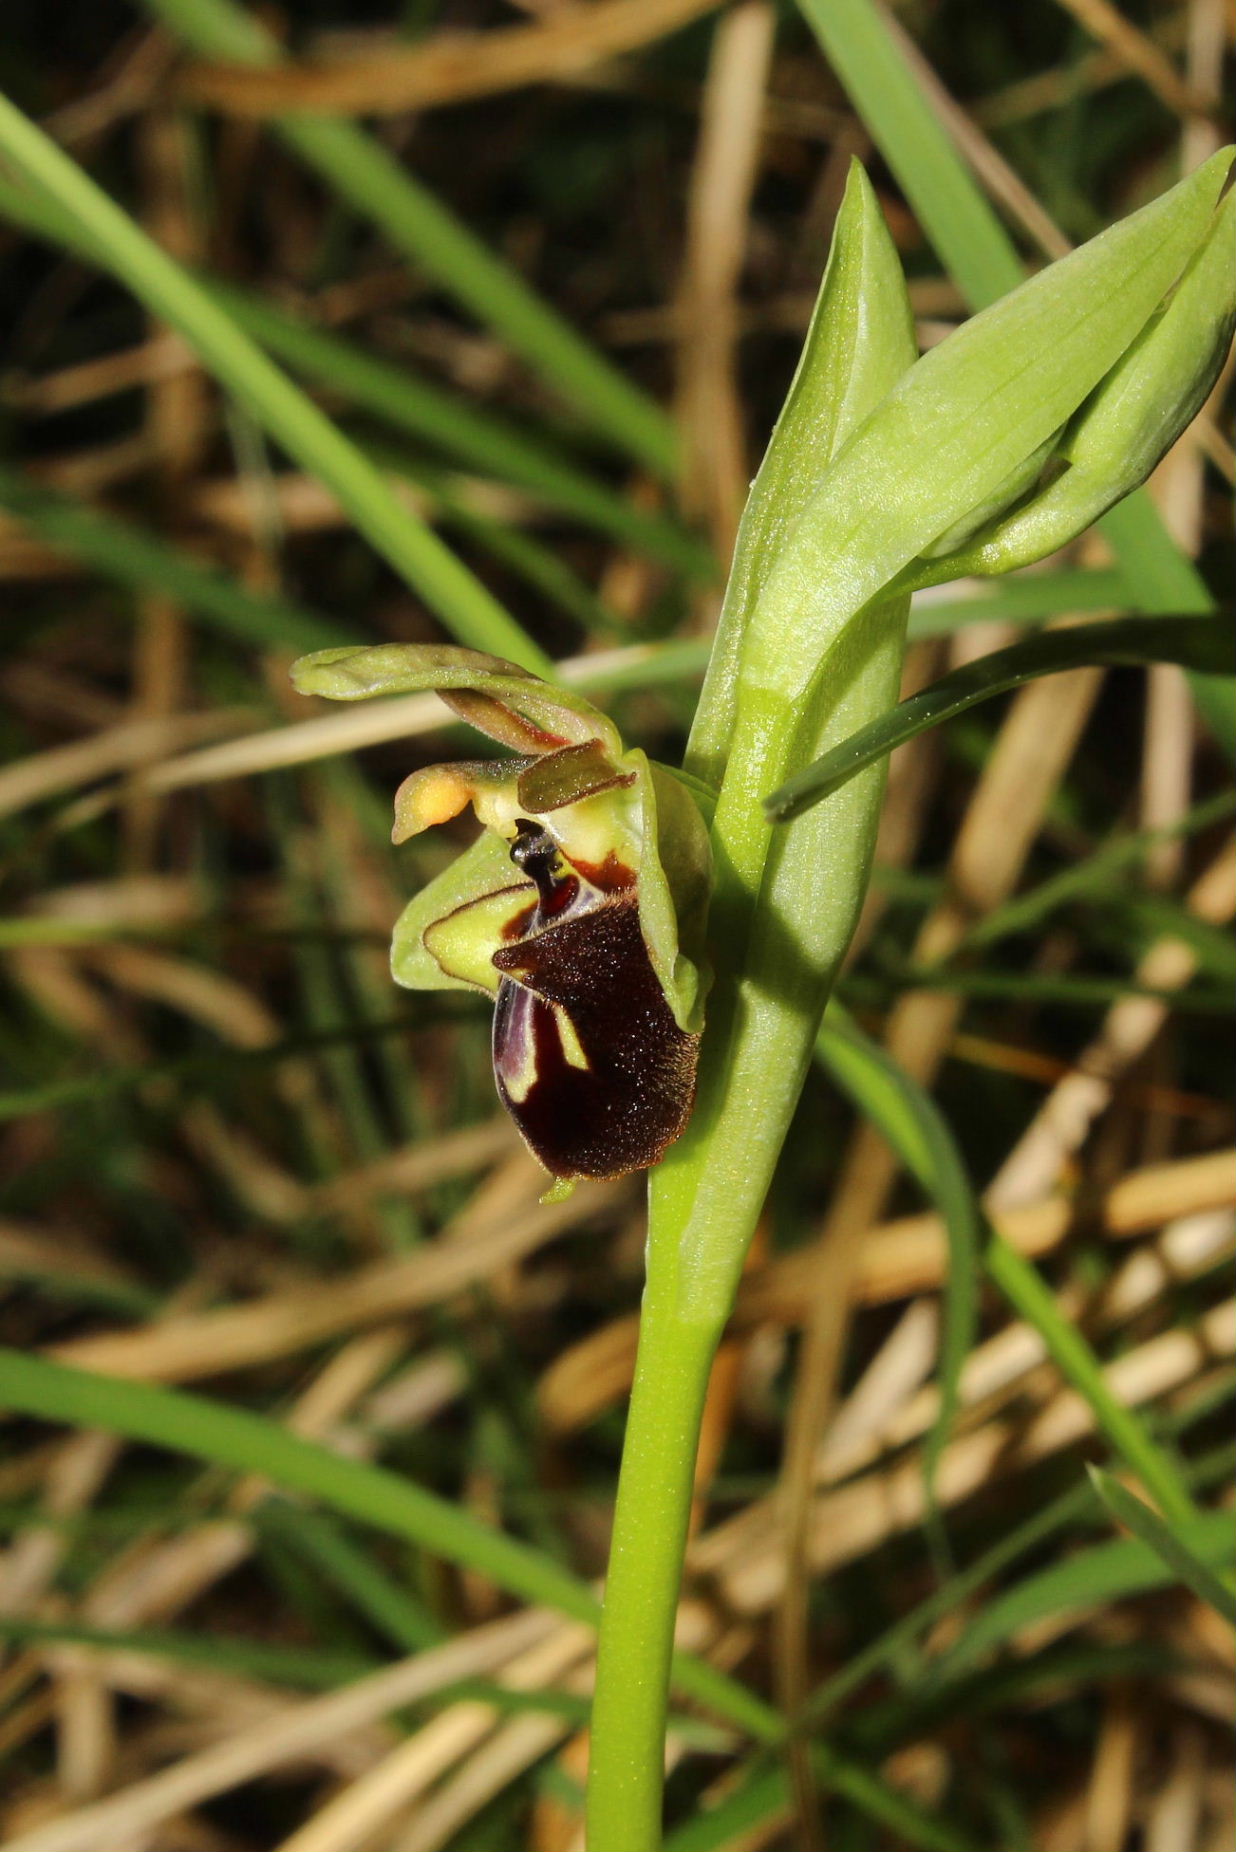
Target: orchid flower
(580, 909)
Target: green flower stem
(780, 932)
(784, 905)
(646, 1552)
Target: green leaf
(1025, 598)
(919, 1133)
(865, 48)
(310, 1667)
(389, 1607)
(1024, 1288)
(472, 433)
(1167, 1542)
(1069, 992)
(456, 425)
(1092, 876)
(766, 1796)
(1202, 643)
(1092, 1578)
(245, 1442)
(234, 1438)
(956, 216)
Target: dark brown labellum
(588, 1059)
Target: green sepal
(674, 876)
(483, 869)
(1005, 494)
(610, 812)
(498, 697)
(462, 943)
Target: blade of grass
(1167, 1543)
(245, 1442)
(307, 1667)
(913, 1124)
(1025, 598)
(352, 1572)
(961, 224)
(755, 1803)
(897, 1643)
(361, 171)
(462, 429)
(120, 551)
(1071, 993)
(537, 564)
(1156, 916)
(1092, 1578)
(1196, 642)
(767, 1795)
(1168, 581)
(292, 419)
(894, 1643)
(910, 1119)
(1022, 1285)
(120, 1298)
(1093, 874)
(928, 1709)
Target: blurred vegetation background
(549, 279)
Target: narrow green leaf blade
(859, 344)
(232, 1437)
(245, 1442)
(1201, 643)
(1092, 876)
(970, 239)
(471, 433)
(1167, 1542)
(1094, 1577)
(462, 428)
(919, 1133)
(1024, 1288)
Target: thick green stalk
(783, 908)
(646, 1552)
(706, 1196)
